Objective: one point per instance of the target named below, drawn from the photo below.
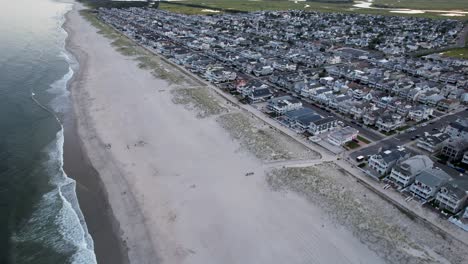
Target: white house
(342, 136)
(283, 104)
(453, 195)
(428, 183)
(404, 172)
(384, 160)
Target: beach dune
(177, 183)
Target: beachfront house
(405, 171)
(453, 195)
(342, 136)
(428, 182)
(322, 125)
(381, 163)
(283, 104)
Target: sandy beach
(176, 182)
(173, 158)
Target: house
(420, 113)
(342, 136)
(322, 125)
(458, 129)
(290, 117)
(405, 171)
(220, 75)
(304, 122)
(384, 160)
(448, 105)
(370, 117)
(432, 143)
(259, 95)
(283, 104)
(388, 122)
(428, 182)
(337, 100)
(261, 70)
(453, 195)
(454, 149)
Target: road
(407, 137)
(366, 132)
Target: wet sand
(92, 197)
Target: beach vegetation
(125, 46)
(328, 186)
(264, 142)
(202, 99)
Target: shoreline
(90, 190)
(182, 196)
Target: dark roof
(307, 119)
(457, 187)
(294, 114)
(391, 155)
(261, 92)
(433, 177)
(324, 120)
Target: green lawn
(425, 4)
(246, 5)
(362, 139)
(457, 53)
(351, 145)
(344, 6)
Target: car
(413, 138)
(423, 125)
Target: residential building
(420, 113)
(448, 105)
(458, 129)
(322, 125)
(259, 95)
(405, 171)
(283, 104)
(383, 162)
(454, 149)
(453, 195)
(342, 136)
(433, 143)
(428, 182)
(388, 122)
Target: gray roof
(324, 120)
(307, 119)
(433, 177)
(343, 133)
(457, 187)
(414, 165)
(392, 155)
(294, 114)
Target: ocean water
(40, 219)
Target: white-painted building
(404, 172)
(342, 136)
(428, 183)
